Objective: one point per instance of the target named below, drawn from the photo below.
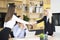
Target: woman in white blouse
(10, 20)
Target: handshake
(32, 23)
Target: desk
(32, 38)
(26, 38)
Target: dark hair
(11, 4)
(18, 16)
(10, 12)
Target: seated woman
(19, 31)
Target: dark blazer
(45, 23)
(51, 27)
(53, 24)
(48, 26)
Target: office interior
(23, 7)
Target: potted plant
(25, 18)
(42, 36)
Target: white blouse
(11, 23)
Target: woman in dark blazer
(45, 23)
(48, 26)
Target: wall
(55, 6)
(3, 6)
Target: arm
(38, 21)
(21, 20)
